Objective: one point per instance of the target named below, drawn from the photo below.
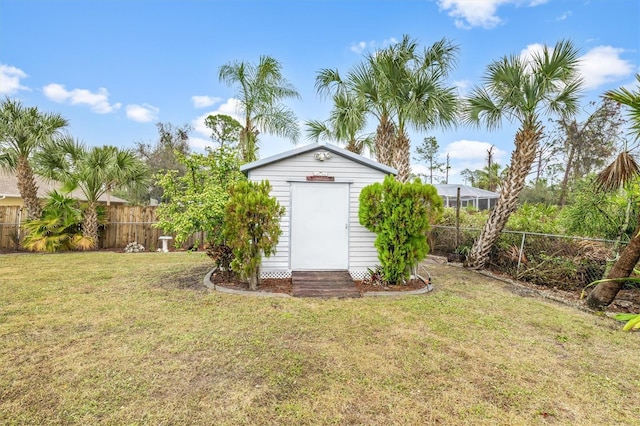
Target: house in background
(319, 186)
(481, 199)
(10, 195)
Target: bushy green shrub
(196, 201)
(468, 218)
(400, 214)
(599, 214)
(541, 218)
(252, 227)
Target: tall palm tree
(261, 89)
(345, 124)
(623, 170)
(362, 84)
(402, 88)
(522, 91)
(23, 131)
(95, 171)
(421, 99)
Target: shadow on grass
(188, 279)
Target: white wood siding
(362, 253)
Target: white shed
(319, 185)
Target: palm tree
(421, 99)
(23, 131)
(346, 120)
(95, 171)
(489, 177)
(261, 89)
(59, 228)
(402, 88)
(521, 91)
(362, 84)
(623, 170)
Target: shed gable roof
(316, 147)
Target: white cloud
(462, 86)
(602, 65)
(200, 143)
(470, 150)
(360, 46)
(564, 16)
(10, 79)
(230, 107)
(98, 101)
(528, 53)
(479, 13)
(599, 66)
(421, 169)
(389, 42)
(204, 101)
(142, 113)
(468, 14)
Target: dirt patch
(190, 279)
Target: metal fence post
(520, 254)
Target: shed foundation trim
(356, 274)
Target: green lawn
(115, 338)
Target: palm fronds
(622, 170)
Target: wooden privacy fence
(10, 220)
(124, 224)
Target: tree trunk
(565, 179)
(352, 146)
(385, 138)
(618, 240)
(401, 157)
(521, 160)
(538, 167)
(431, 171)
(90, 225)
(605, 292)
(28, 188)
(254, 280)
(248, 145)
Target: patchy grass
(112, 338)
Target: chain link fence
(568, 263)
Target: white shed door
(319, 226)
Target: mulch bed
(269, 285)
(283, 285)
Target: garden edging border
(210, 285)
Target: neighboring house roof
(9, 188)
(466, 192)
(317, 146)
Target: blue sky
(115, 68)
